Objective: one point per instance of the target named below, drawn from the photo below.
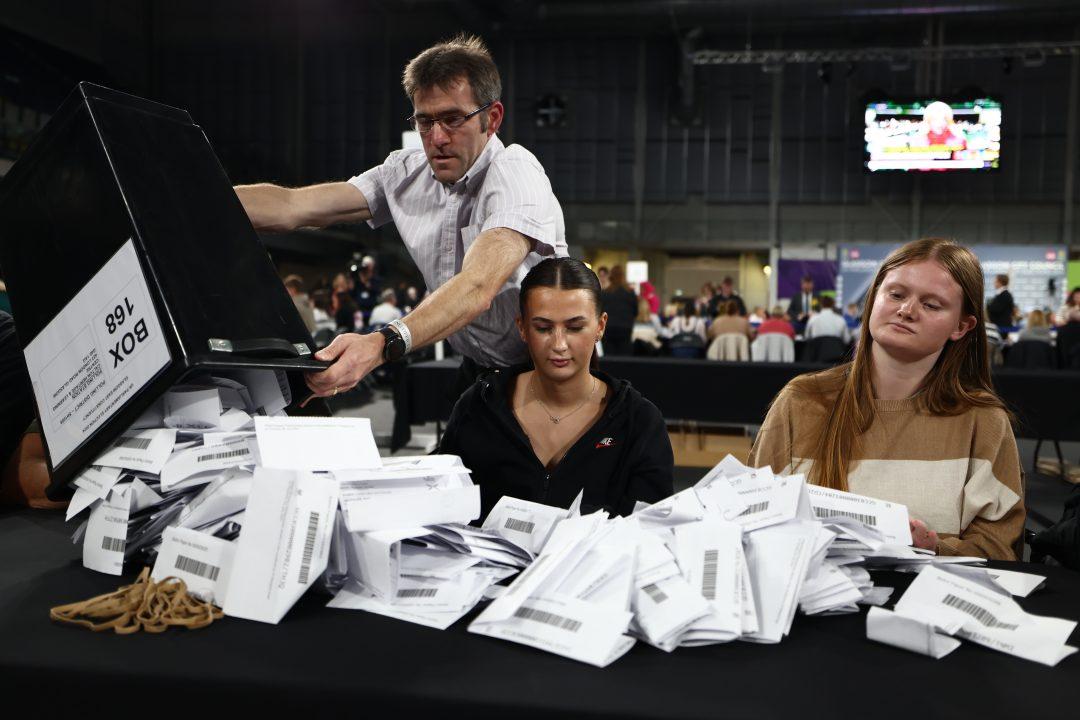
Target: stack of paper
(192, 449)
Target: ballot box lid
(126, 250)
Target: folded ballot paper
(940, 606)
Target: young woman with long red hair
(914, 418)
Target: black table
(739, 393)
(355, 663)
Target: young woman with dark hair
(913, 418)
(561, 427)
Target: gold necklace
(558, 418)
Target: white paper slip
(354, 596)
(908, 633)
(709, 555)
(200, 560)
(729, 467)
(190, 407)
(269, 389)
(145, 450)
(770, 500)
(891, 519)
(81, 500)
(142, 496)
(222, 497)
(233, 394)
(526, 523)
(1016, 583)
(777, 557)
(382, 505)
(201, 459)
(564, 626)
(236, 420)
(373, 558)
(106, 532)
(98, 480)
(682, 507)
(316, 443)
(285, 543)
(956, 604)
(426, 562)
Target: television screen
(933, 135)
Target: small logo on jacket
(606, 442)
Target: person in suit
(799, 309)
(1001, 307)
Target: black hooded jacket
(624, 457)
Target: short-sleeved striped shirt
(505, 187)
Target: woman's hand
(922, 536)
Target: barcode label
(417, 592)
(522, 526)
(979, 613)
(756, 508)
(826, 513)
(132, 442)
(113, 544)
(708, 575)
(658, 596)
(223, 455)
(197, 567)
(309, 547)
(547, 618)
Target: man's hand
(354, 356)
(922, 536)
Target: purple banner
(791, 272)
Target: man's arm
(279, 209)
(486, 267)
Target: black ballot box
(131, 264)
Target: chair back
(826, 349)
(1068, 346)
(729, 346)
(687, 345)
(773, 347)
(1031, 355)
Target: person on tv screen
(941, 132)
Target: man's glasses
(424, 124)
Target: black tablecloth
(355, 663)
(1045, 402)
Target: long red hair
(959, 380)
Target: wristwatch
(394, 349)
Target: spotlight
(767, 269)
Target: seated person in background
(386, 311)
(913, 419)
(994, 342)
(777, 323)
(827, 322)
(647, 327)
(851, 316)
(324, 319)
(1070, 311)
(723, 296)
(687, 321)
(730, 322)
(757, 315)
(294, 284)
(561, 427)
(1037, 327)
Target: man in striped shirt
(474, 214)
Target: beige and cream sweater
(959, 474)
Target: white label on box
(96, 354)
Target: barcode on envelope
(417, 592)
(132, 442)
(522, 526)
(224, 455)
(112, 544)
(978, 612)
(756, 508)
(708, 575)
(656, 594)
(826, 513)
(528, 613)
(309, 547)
(197, 567)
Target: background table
(355, 663)
(1045, 402)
